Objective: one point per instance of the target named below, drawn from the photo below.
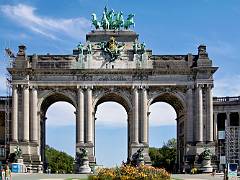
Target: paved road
(79, 176)
(47, 176)
(198, 176)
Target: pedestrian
(2, 173)
(8, 174)
(214, 172)
(225, 174)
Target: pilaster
(25, 113)
(209, 114)
(80, 117)
(215, 130)
(34, 116)
(89, 117)
(135, 124)
(190, 114)
(144, 119)
(199, 124)
(14, 114)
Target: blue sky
(167, 27)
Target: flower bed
(130, 173)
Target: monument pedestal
(206, 166)
(20, 160)
(84, 168)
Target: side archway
(177, 101)
(46, 99)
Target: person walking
(2, 173)
(8, 174)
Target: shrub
(128, 172)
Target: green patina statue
(80, 48)
(18, 152)
(206, 154)
(129, 21)
(113, 21)
(95, 22)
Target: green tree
(59, 161)
(165, 156)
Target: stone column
(228, 119)
(199, 125)
(209, 115)
(189, 115)
(135, 116)
(215, 130)
(14, 114)
(239, 118)
(34, 118)
(80, 117)
(26, 114)
(144, 119)
(89, 119)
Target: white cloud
(114, 115)
(227, 86)
(162, 114)
(111, 114)
(26, 16)
(61, 114)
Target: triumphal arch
(112, 65)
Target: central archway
(117, 100)
(111, 134)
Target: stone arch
(115, 97)
(175, 99)
(51, 97)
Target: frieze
(169, 57)
(85, 77)
(140, 77)
(111, 78)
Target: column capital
(80, 88)
(14, 86)
(190, 87)
(200, 86)
(135, 87)
(87, 87)
(33, 87)
(25, 86)
(210, 86)
(143, 87)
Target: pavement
(29, 176)
(22, 176)
(218, 176)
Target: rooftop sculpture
(112, 21)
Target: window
(2, 152)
